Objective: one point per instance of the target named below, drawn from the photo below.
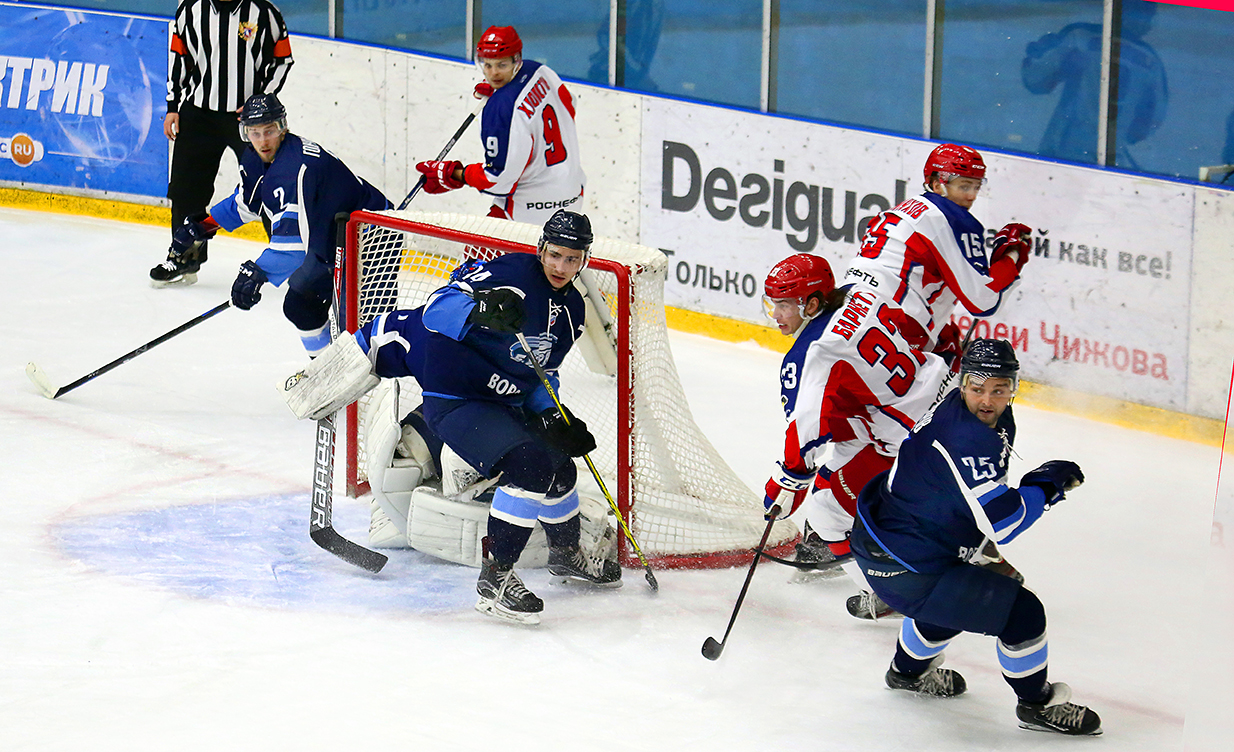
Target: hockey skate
(569, 563)
(869, 606)
(1058, 714)
(811, 549)
(504, 596)
(935, 682)
(179, 271)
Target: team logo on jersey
(541, 347)
(248, 30)
(554, 311)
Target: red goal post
(684, 504)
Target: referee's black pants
(195, 157)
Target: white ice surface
(160, 591)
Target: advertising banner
(82, 98)
(1103, 304)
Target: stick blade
(652, 582)
(329, 539)
(712, 649)
(40, 380)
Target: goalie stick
(449, 145)
(712, 648)
(651, 578)
(39, 377)
(321, 527)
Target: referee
(222, 52)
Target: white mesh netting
(685, 506)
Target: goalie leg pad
(339, 376)
(453, 530)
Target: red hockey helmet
(498, 42)
(799, 276)
(954, 159)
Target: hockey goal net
(683, 503)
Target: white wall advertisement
(1103, 305)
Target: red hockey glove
(948, 346)
(439, 175)
(786, 489)
(1012, 241)
(484, 90)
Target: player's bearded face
(561, 265)
(498, 71)
(987, 399)
(265, 139)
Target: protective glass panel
(436, 26)
(1023, 76)
(571, 38)
(852, 62)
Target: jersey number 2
(554, 149)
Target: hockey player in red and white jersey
(929, 252)
(852, 387)
(532, 164)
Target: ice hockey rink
(160, 591)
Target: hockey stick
(651, 578)
(321, 528)
(711, 648)
(449, 145)
(39, 377)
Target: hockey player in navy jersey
(299, 187)
(920, 525)
(483, 398)
(930, 251)
(532, 165)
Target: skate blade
(1047, 729)
(803, 576)
(490, 608)
(183, 280)
(565, 579)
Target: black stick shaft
(134, 353)
(449, 145)
(758, 554)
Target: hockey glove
(439, 175)
(194, 231)
(500, 309)
(573, 439)
(1011, 241)
(246, 290)
(786, 489)
(484, 90)
(1055, 477)
(949, 347)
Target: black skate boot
(179, 271)
(1058, 714)
(504, 596)
(812, 549)
(570, 563)
(869, 606)
(935, 682)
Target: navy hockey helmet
(990, 359)
(567, 229)
(262, 108)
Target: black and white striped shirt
(224, 51)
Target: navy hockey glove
(1012, 238)
(439, 175)
(573, 439)
(948, 346)
(246, 290)
(1055, 477)
(786, 489)
(194, 231)
(500, 309)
